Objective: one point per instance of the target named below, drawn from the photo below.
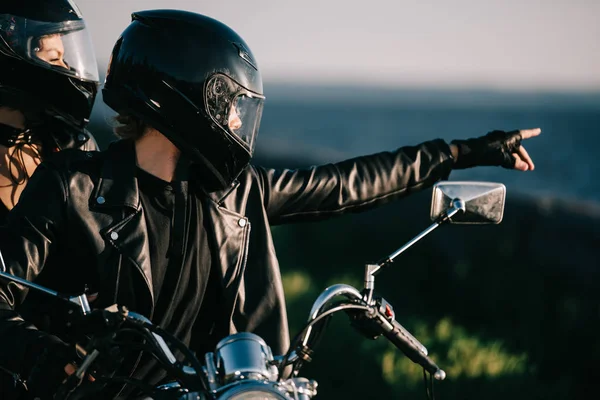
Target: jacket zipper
(242, 269)
(246, 245)
(121, 260)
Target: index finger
(529, 133)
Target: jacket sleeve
(353, 185)
(26, 241)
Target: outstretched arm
(353, 185)
(363, 182)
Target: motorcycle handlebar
(410, 346)
(161, 345)
(111, 318)
(390, 328)
(160, 342)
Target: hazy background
(345, 78)
(510, 310)
(518, 44)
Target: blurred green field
(509, 310)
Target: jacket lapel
(117, 194)
(230, 233)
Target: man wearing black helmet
(48, 83)
(172, 221)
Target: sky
(510, 44)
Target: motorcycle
(242, 366)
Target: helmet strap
(11, 136)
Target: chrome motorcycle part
(483, 201)
(242, 356)
(325, 298)
(301, 388)
(254, 390)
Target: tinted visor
(235, 109)
(65, 47)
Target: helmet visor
(65, 47)
(235, 109)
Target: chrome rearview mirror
(483, 201)
(454, 202)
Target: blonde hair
(129, 127)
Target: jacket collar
(118, 185)
(220, 196)
(117, 193)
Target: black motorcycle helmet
(48, 70)
(196, 81)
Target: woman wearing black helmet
(160, 222)
(48, 83)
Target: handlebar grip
(410, 337)
(411, 347)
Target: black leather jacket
(80, 225)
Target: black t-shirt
(181, 265)
(3, 213)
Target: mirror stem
(372, 269)
(80, 300)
